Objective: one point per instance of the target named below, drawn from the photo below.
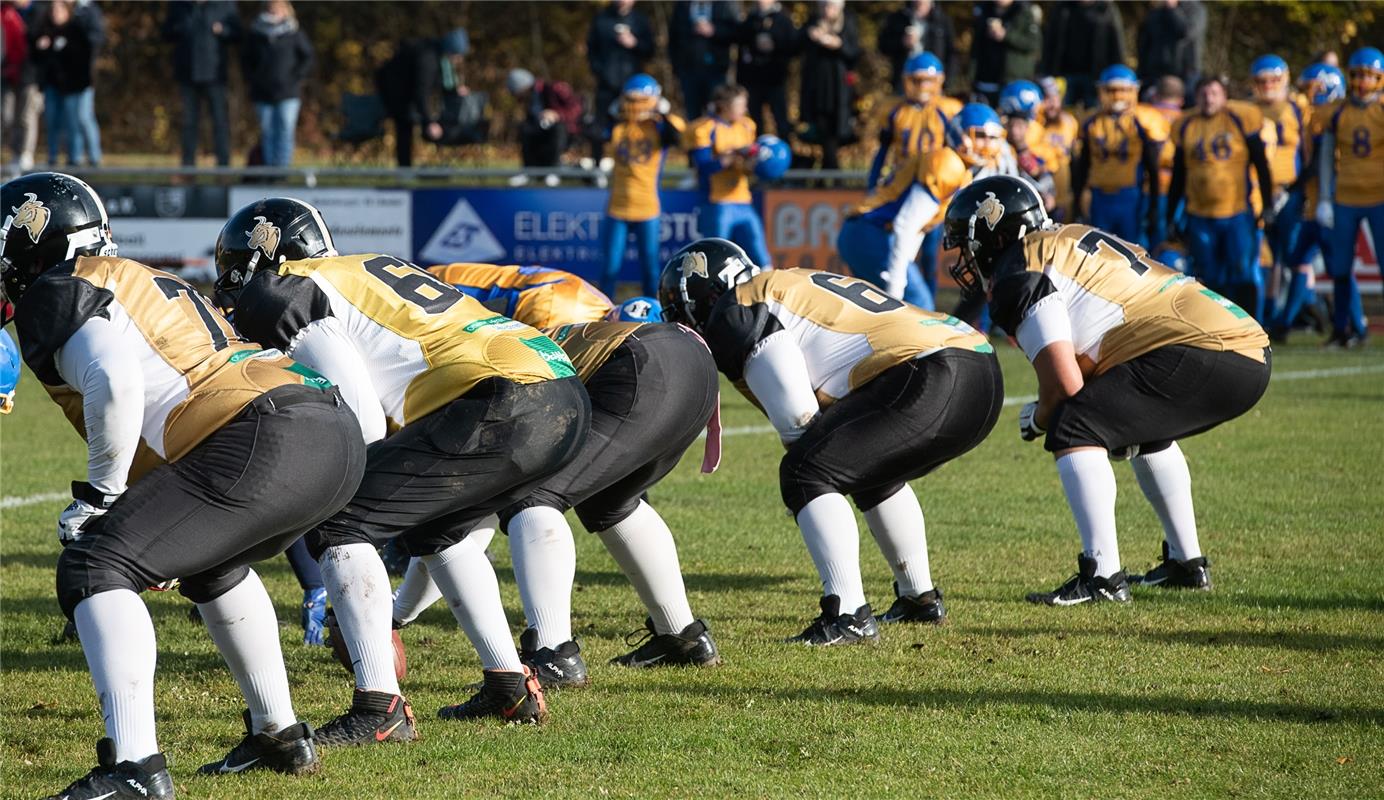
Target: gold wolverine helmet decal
(264, 237)
(991, 210)
(694, 263)
(31, 215)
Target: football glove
(1326, 215)
(87, 504)
(1029, 429)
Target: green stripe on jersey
(554, 356)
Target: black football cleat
(1190, 573)
(926, 608)
(289, 751)
(833, 627)
(558, 667)
(692, 646)
(1085, 587)
(147, 779)
(373, 717)
(509, 696)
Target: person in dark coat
(1082, 39)
(618, 44)
(277, 58)
(412, 82)
(768, 43)
(201, 33)
(700, 35)
(1006, 43)
(830, 44)
(920, 26)
(1170, 41)
(66, 40)
(552, 117)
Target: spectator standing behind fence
(1170, 41)
(768, 42)
(552, 119)
(700, 35)
(1082, 39)
(277, 58)
(412, 82)
(720, 145)
(643, 132)
(12, 83)
(65, 41)
(831, 46)
(201, 32)
(618, 43)
(22, 128)
(920, 26)
(1006, 40)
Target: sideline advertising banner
(361, 220)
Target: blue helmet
(961, 131)
(924, 64)
(643, 84)
(1323, 84)
(1021, 99)
(637, 309)
(1268, 65)
(9, 372)
(1366, 70)
(1366, 58)
(1117, 75)
(772, 157)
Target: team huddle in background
(422, 410)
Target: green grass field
(1270, 686)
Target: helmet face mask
(1271, 86)
(1118, 96)
(985, 219)
(1365, 82)
(920, 87)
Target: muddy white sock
(358, 585)
(467, 580)
(897, 525)
(829, 530)
(545, 566)
(118, 640)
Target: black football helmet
(49, 218)
(696, 277)
(983, 220)
(270, 230)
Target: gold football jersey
(589, 344)
(536, 296)
(848, 329)
(1121, 303)
(197, 372)
(424, 342)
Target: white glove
(1326, 215)
(1029, 429)
(87, 504)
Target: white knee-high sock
(416, 593)
(545, 566)
(467, 580)
(1168, 486)
(358, 585)
(1089, 482)
(118, 639)
(643, 547)
(243, 626)
(897, 525)
(829, 529)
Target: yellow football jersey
(729, 185)
(589, 344)
(1284, 132)
(424, 343)
(941, 172)
(1359, 134)
(915, 128)
(197, 372)
(640, 146)
(1171, 116)
(1120, 302)
(1217, 157)
(536, 296)
(1061, 133)
(1115, 142)
(849, 330)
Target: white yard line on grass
(748, 430)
